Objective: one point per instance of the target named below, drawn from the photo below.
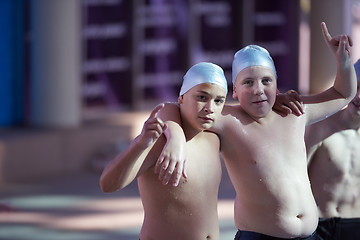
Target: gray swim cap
(251, 55)
(203, 72)
(357, 69)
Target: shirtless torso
(334, 144)
(193, 204)
(270, 178)
(335, 175)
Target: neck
(189, 131)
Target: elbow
(106, 189)
(350, 96)
(105, 186)
(347, 95)
(353, 94)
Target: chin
(205, 126)
(261, 114)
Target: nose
(209, 108)
(258, 89)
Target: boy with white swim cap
(178, 213)
(264, 152)
(203, 72)
(251, 55)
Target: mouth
(207, 119)
(259, 102)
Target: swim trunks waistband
(248, 235)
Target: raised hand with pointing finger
(133, 161)
(339, 45)
(152, 128)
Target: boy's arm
(322, 105)
(129, 164)
(171, 163)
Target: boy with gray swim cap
(178, 213)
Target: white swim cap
(251, 55)
(203, 72)
(357, 69)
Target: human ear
(180, 99)
(234, 95)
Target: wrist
(140, 143)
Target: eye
(248, 82)
(219, 101)
(267, 81)
(201, 98)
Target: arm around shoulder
(171, 163)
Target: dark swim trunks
(338, 228)
(247, 235)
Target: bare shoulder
(228, 115)
(231, 111)
(228, 108)
(171, 104)
(210, 136)
(170, 112)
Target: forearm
(174, 132)
(124, 168)
(171, 164)
(345, 82)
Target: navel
(337, 209)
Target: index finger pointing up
(156, 110)
(325, 32)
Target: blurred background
(79, 77)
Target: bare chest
(342, 152)
(273, 141)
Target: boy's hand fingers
(294, 94)
(184, 169)
(168, 172)
(343, 44)
(350, 40)
(326, 34)
(348, 44)
(156, 110)
(177, 175)
(158, 164)
(163, 169)
(154, 113)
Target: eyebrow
(204, 92)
